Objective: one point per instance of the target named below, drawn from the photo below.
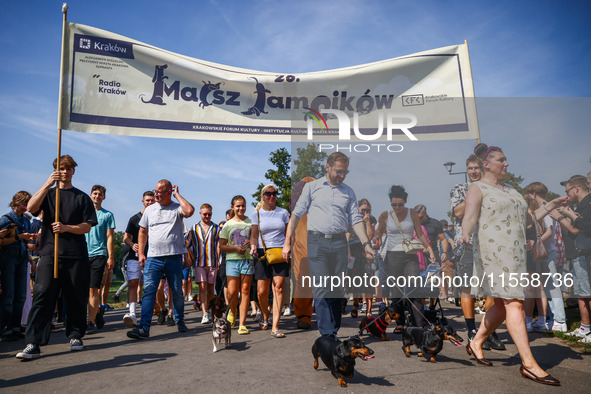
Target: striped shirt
(203, 245)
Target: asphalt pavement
(170, 361)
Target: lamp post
(449, 165)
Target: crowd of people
(248, 259)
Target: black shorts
(466, 264)
(97, 269)
(264, 270)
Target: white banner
(116, 85)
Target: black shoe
(116, 297)
(76, 344)
(170, 321)
(138, 333)
(30, 352)
(494, 342)
(182, 327)
(100, 320)
(162, 316)
(472, 334)
(90, 328)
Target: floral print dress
(499, 244)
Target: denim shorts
(581, 287)
(239, 267)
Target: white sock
(132, 308)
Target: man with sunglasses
(332, 209)
(578, 223)
(203, 250)
(162, 229)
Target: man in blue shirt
(100, 255)
(332, 209)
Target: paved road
(174, 362)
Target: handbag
(539, 251)
(273, 255)
(410, 245)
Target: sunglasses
(399, 205)
(269, 194)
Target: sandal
(242, 330)
(354, 313)
(231, 319)
(263, 326)
(398, 330)
(278, 334)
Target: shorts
(97, 270)
(466, 264)
(186, 273)
(134, 270)
(239, 267)
(206, 274)
(264, 270)
(581, 280)
(107, 276)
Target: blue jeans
(14, 290)
(172, 266)
(554, 293)
(327, 258)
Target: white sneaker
(205, 319)
(287, 311)
(130, 320)
(577, 333)
(559, 327)
(587, 339)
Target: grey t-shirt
(165, 229)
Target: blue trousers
(327, 258)
(15, 280)
(172, 266)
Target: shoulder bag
(410, 245)
(273, 255)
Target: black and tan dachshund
(428, 340)
(377, 326)
(339, 356)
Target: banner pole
(473, 93)
(59, 139)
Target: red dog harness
(380, 324)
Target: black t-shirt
(76, 207)
(133, 228)
(433, 228)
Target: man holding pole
(77, 216)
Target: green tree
(279, 176)
(117, 246)
(513, 181)
(308, 162)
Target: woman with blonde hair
(269, 223)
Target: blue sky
(529, 60)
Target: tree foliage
(117, 247)
(308, 162)
(279, 176)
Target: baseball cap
(572, 178)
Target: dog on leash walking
(428, 340)
(221, 330)
(339, 356)
(377, 326)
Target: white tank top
(394, 241)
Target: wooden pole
(59, 140)
(473, 93)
